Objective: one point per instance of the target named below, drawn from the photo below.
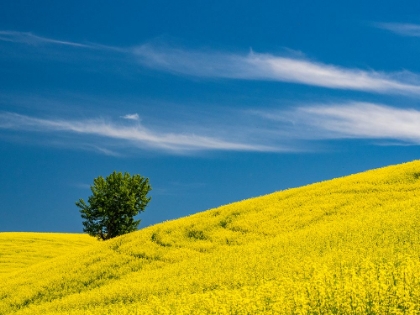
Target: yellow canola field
(19, 250)
(346, 246)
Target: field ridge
(350, 245)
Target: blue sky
(213, 101)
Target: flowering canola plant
(345, 246)
(19, 250)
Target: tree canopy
(114, 203)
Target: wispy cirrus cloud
(365, 121)
(296, 130)
(131, 117)
(259, 66)
(31, 39)
(354, 120)
(132, 136)
(250, 66)
(404, 29)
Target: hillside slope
(20, 250)
(346, 246)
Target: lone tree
(113, 204)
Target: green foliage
(113, 204)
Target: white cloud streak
(251, 66)
(257, 66)
(404, 29)
(363, 121)
(34, 40)
(274, 131)
(31, 39)
(136, 136)
(353, 120)
(131, 117)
